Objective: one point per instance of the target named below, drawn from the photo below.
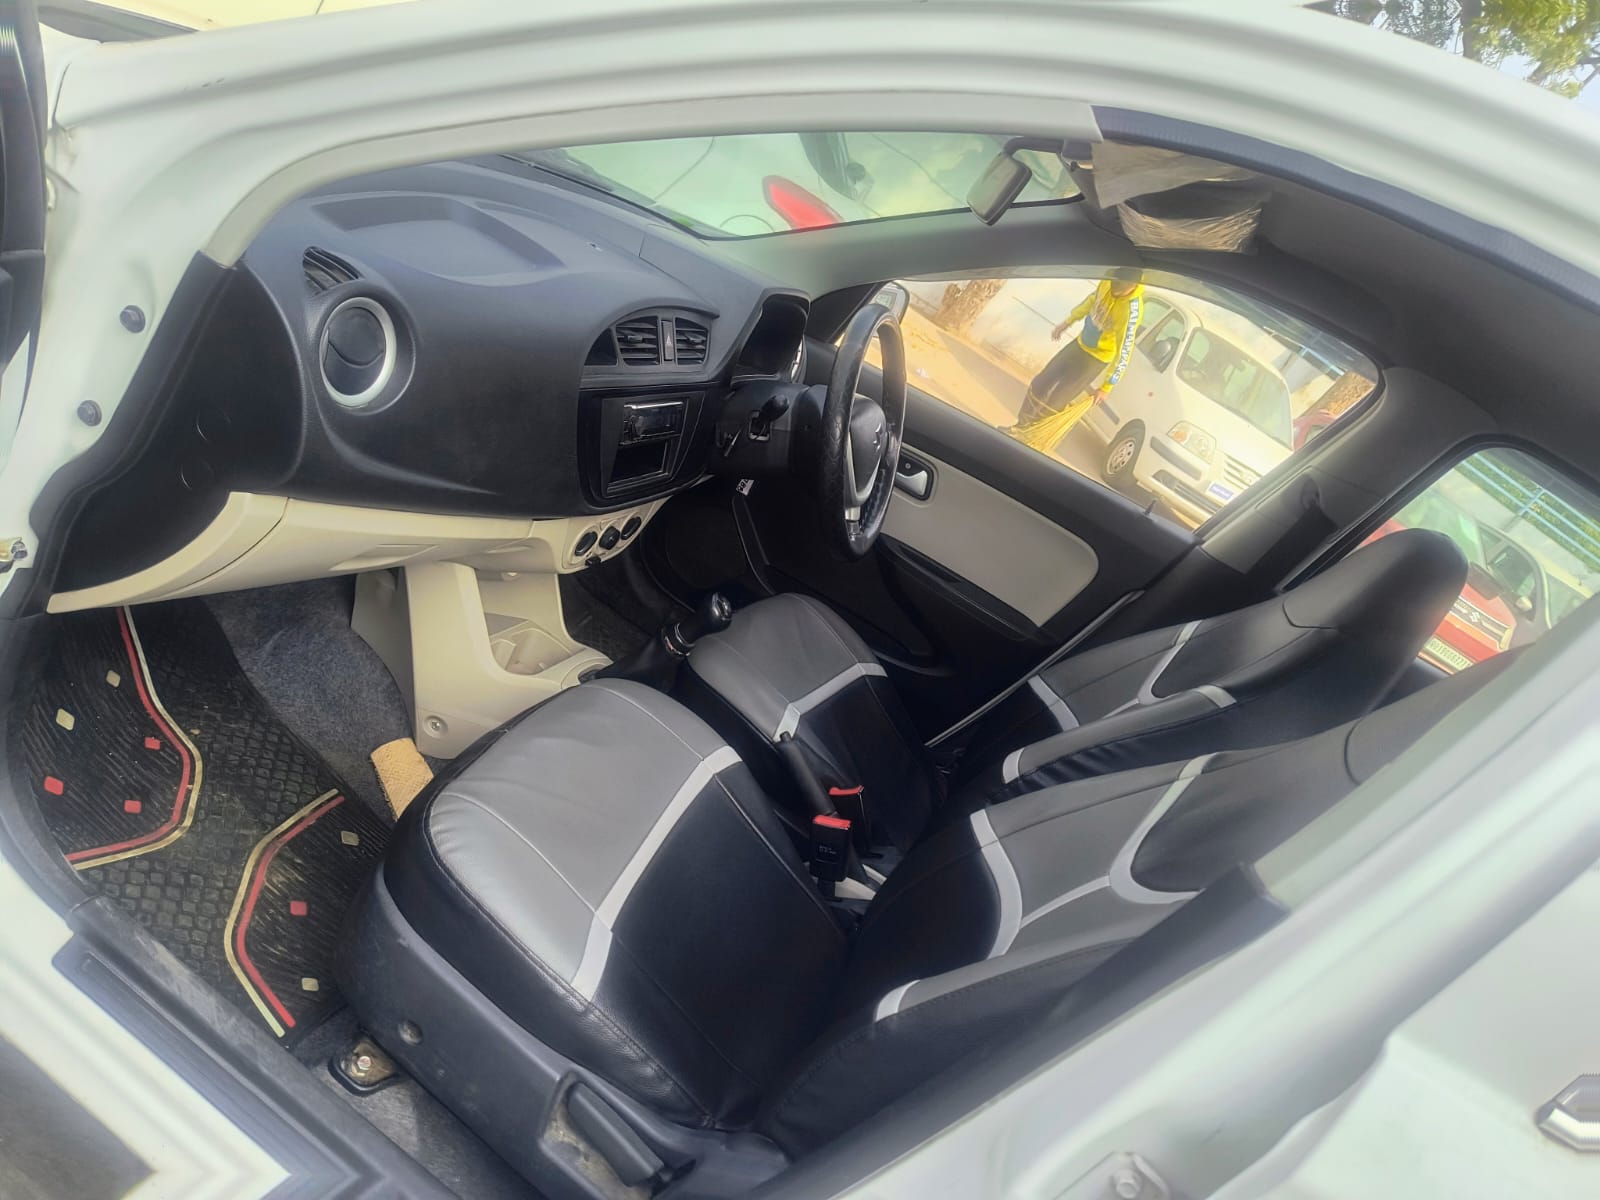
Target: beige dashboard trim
(257, 541)
(993, 541)
(244, 520)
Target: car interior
(570, 685)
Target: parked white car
(1196, 419)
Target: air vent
(358, 350)
(324, 270)
(689, 343)
(639, 341)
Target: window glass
(1161, 343)
(1531, 537)
(1184, 425)
(752, 184)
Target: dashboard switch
(631, 527)
(585, 544)
(610, 537)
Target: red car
(1500, 592)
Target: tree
(1552, 43)
(960, 305)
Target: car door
(994, 554)
(22, 193)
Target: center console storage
(635, 443)
(471, 649)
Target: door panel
(1010, 555)
(22, 200)
(986, 538)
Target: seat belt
(934, 743)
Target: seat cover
(603, 879)
(993, 919)
(788, 665)
(1316, 656)
(606, 872)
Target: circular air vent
(358, 351)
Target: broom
(1046, 433)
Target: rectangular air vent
(689, 342)
(639, 341)
(324, 270)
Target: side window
(1081, 369)
(1531, 537)
(1156, 311)
(1161, 343)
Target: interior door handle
(914, 479)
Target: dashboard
(471, 339)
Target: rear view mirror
(895, 298)
(998, 187)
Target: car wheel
(1121, 455)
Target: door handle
(913, 478)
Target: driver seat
(1314, 657)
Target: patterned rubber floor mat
(175, 791)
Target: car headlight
(1195, 440)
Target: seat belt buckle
(830, 850)
(852, 803)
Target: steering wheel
(860, 442)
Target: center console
(636, 444)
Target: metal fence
(1558, 519)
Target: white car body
(1156, 395)
(162, 152)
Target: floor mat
(173, 788)
(593, 622)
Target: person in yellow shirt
(1056, 398)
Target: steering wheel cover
(852, 536)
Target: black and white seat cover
(1314, 657)
(790, 665)
(601, 893)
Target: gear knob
(713, 616)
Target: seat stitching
(642, 1057)
(754, 670)
(688, 1020)
(805, 884)
(489, 812)
(675, 735)
(823, 615)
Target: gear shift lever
(713, 616)
(656, 663)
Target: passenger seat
(1305, 661)
(596, 945)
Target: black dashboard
(472, 338)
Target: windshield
(1222, 372)
(746, 185)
